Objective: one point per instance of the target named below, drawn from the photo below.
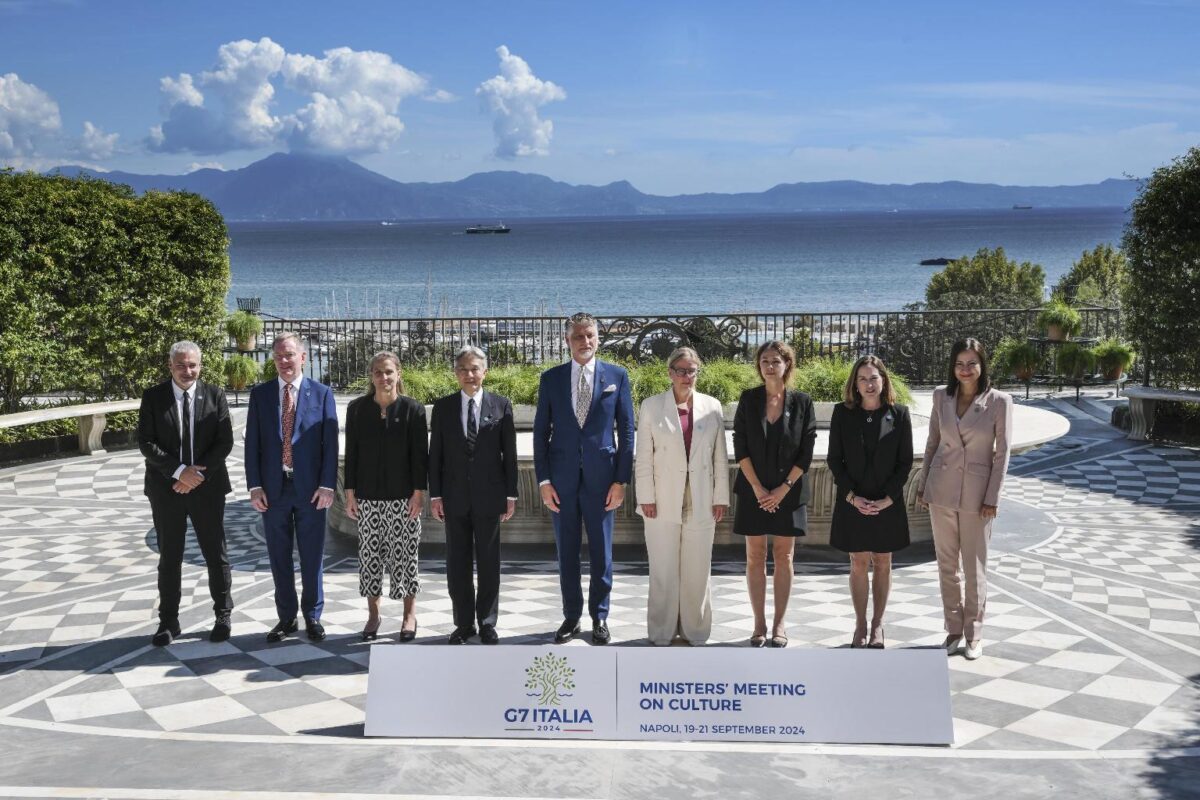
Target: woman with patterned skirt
(385, 483)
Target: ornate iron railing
(915, 344)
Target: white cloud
(514, 97)
(1119, 94)
(96, 144)
(440, 96)
(198, 165)
(28, 116)
(353, 97)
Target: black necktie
(187, 430)
(472, 427)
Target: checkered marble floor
(1092, 636)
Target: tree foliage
(1095, 279)
(97, 283)
(987, 279)
(1161, 292)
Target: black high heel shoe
(408, 636)
(371, 634)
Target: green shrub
(426, 384)
(824, 379)
(726, 380)
(268, 372)
(519, 382)
(97, 283)
(243, 326)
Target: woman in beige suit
(966, 457)
(682, 471)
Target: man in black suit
(185, 434)
(473, 488)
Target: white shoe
(974, 650)
(952, 644)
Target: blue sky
(674, 97)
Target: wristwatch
(850, 498)
(789, 482)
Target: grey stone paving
(1090, 684)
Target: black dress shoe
(166, 633)
(281, 630)
(461, 634)
(600, 634)
(221, 629)
(314, 629)
(407, 635)
(567, 631)
(487, 634)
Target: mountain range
(294, 187)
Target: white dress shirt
(179, 393)
(466, 398)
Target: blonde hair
(852, 398)
(385, 355)
(683, 352)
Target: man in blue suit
(291, 469)
(583, 457)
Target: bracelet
(790, 483)
(850, 498)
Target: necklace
(871, 414)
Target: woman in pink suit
(966, 457)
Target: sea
(821, 261)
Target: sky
(675, 97)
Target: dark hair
(785, 352)
(851, 396)
(975, 346)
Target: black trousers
(474, 534)
(206, 510)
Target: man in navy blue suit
(291, 469)
(583, 457)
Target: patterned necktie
(289, 425)
(187, 430)
(472, 426)
(583, 400)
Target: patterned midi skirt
(387, 540)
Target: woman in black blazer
(774, 431)
(870, 456)
(384, 483)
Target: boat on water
(935, 262)
(501, 228)
(1021, 208)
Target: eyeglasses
(685, 372)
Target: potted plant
(244, 328)
(239, 371)
(269, 373)
(1016, 358)
(1075, 361)
(1113, 357)
(1059, 321)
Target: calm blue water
(801, 262)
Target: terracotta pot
(247, 345)
(1055, 333)
(1024, 374)
(1112, 373)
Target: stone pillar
(91, 428)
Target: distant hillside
(285, 187)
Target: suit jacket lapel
(888, 423)
(173, 411)
(597, 387)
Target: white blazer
(661, 464)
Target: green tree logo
(550, 675)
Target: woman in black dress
(870, 456)
(774, 431)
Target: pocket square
(609, 388)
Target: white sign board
(796, 695)
(897, 696)
(505, 691)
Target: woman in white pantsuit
(966, 457)
(682, 473)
